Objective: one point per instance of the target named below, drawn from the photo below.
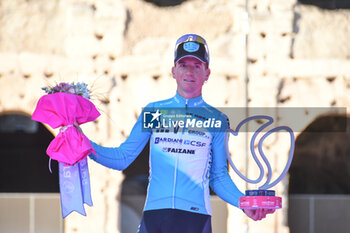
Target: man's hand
(258, 214)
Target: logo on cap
(191, 47)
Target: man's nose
(189, 69)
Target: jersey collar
(193, 102)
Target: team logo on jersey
(179, 141)
(164, 140)
(179, 150)
(198, 133)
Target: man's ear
(207, 73)
(173, 71)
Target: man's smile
(189, 80)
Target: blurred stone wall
(294, 56)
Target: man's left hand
(258, 214)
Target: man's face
(190, 74)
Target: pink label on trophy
(255, 202)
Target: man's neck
(189, 95)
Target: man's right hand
(76, 125)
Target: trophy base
(264, 199)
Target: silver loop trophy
(262, 197)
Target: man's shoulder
(214, 111)
(161, 103)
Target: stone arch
(24, 164)
(321, 152)
(319, 188)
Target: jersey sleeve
(220, 180)
(121, 157)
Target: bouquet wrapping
(63, 110)
(64, 107)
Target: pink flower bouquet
(62, 109)
(67, 106)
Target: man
(184, 160)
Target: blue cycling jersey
(183, 162)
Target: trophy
(262, 197)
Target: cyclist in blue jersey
(185, 158)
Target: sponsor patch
(179, 150)
(195, 143)
(191, 47)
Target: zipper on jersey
(176, 162)
(186, 108)
(174, 186)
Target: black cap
(191, 45)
